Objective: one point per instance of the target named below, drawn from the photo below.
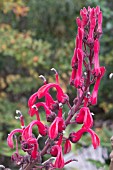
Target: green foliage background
(35, 36)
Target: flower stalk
(86, 72)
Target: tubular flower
(10, 137)
(96, 86)
(75, 136)
(59, 162)
(79, 22)
(55, 148)
(99, 29)
(49, 101)
(97, 10)
(77, 82)
(84, 116)
(73, 76)
(61, 96)
(67, 146)
(74, 58)
(84, 16)
(96, 57)
(55, 127)
(47, 110)
(34, 152)
(92, 25)
(27, 133)
(32, 100)
(80, 35)
(34, 110)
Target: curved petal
(43, 90)
(32, 100)
(95, 138)
(10, 137)
(41, 127)
(96, 86)
(49, 100)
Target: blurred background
(36, 35)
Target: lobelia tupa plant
(86, 72)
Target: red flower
(54, 150)
(96, 57)
(33, 142)
(99, 29)
(96, 86)
(97, 10)
(79, 22)
(10, 137)
(75, 136)
(55, 127)
(67, 146)
(73, 76)
(49, 101)
(77, 82)
(47, 110)
(32, 100)
(83, 14)
(34, 110)
(80, 35)
(74, 58)
(84, 116)
(61, 96)
(27, 133)
(92, 25)
(59, 162)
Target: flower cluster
(86, 72)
